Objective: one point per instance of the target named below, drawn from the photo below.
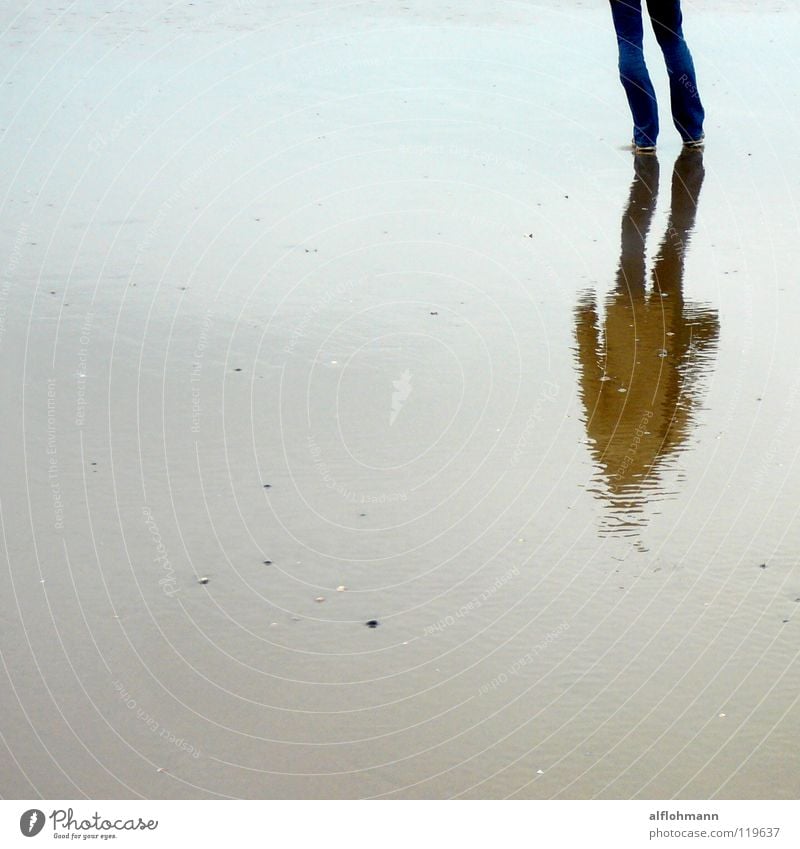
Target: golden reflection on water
(641, 366)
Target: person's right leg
(627, 16)
(687, 110)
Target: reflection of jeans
(643, 357)
(687, 110)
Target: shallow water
(397, 267)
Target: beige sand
(372, 260)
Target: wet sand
(367, 316)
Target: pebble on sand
(320, 598)
(203, 580)
(372, 623)
(341, 589)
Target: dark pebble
(372, 623)
(267, 486)
(762, 566)
(237, 369)
(268, 563)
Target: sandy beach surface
(314, 315)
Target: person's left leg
(687, 109)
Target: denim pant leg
(627, 15)
(687, 110)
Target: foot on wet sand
(695, 144)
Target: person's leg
(687, 110)
(627, 16)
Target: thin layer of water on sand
(314, 318)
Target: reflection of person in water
(639, 373)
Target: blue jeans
(687, 110)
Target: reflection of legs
(687, 329)
(588, 336)
(687, 110)
(687, 179)
(635, 224)
(627, 16)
